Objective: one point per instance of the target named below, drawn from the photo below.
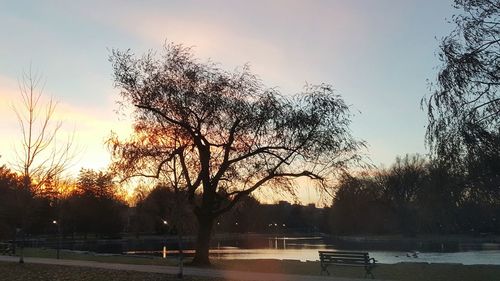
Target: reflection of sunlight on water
(310, 254)
(473, 257)
(306, 249)
(282, 254)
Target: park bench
(342, 258)
(6, 249)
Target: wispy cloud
(286, 42)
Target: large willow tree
(222, 135)
(464, 109)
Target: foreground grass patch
(401, 271)
(42, 272)
(89, 256)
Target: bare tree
(42, 158)
(229, 133)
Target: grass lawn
(41, 272)
(70, 255)
(401, 271)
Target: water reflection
(306, 249)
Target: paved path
(193, 271)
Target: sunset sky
(378, 54)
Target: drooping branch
(181, 124)
(468, 84)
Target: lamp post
(55, 222)
(276, 235)
(217, 234)
(165, 223)
(284, 240)
(180, 274)
(21, 255)
(273, 229)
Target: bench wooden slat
(343, 259)
(344, 252)
(345, 263)
(346, 257)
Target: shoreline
(461, 238)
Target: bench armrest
(373, 260)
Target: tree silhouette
(41, 157)
(13, 198)
(464, 109)
(94, 205)
(229, 133)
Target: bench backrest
(6, 248)
(342, 257)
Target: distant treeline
(90, 205)
(248, 216)
(416, 196)
(413, 196)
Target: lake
(306, 248)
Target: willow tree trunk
(205, 224)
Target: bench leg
(324, 269)
(368, 271)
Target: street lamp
(273, 228)
(165, 224)
(217, 234)
(54, 222)
(21, 255)
(284, 240)
(180, 274)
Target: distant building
(284, 203)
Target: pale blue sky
(378, 54)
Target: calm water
(306, 248)
(389, 257)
